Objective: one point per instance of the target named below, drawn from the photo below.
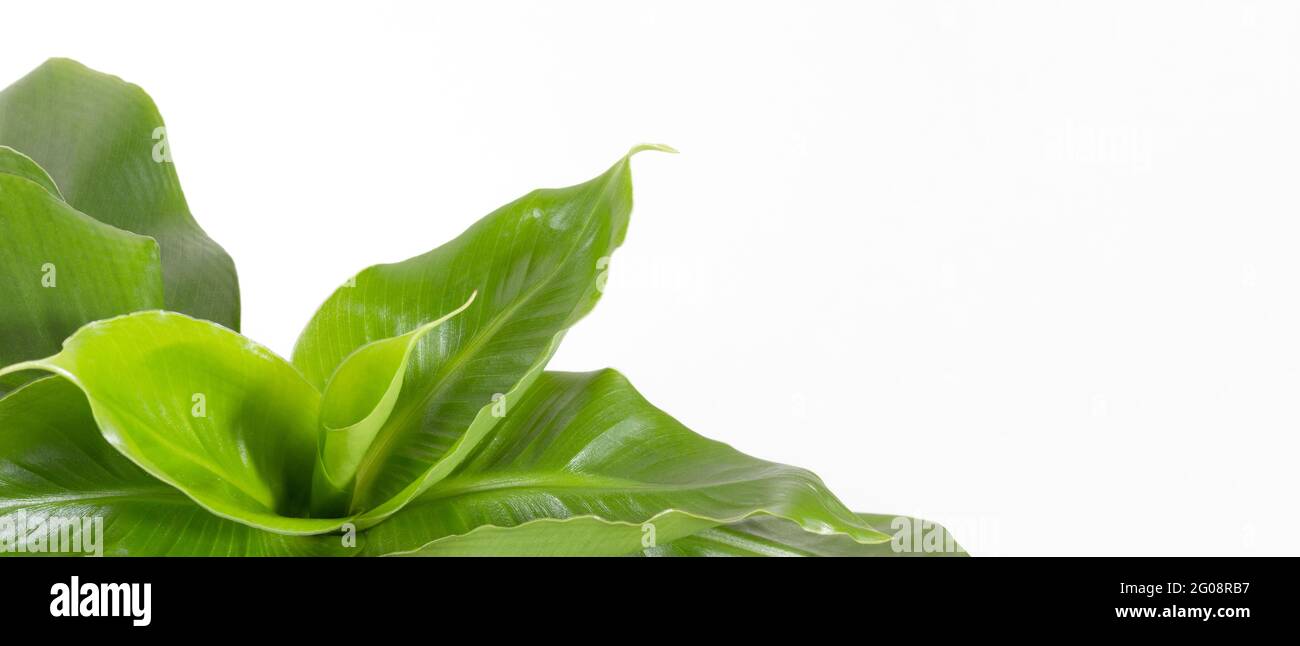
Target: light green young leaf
(61, 269)
(356, 403)
(203, 409)
(769, 536)
(13, 162)
(582, 464)
(104, 144)
(538, 264)
(56, 469)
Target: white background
(1025, 268)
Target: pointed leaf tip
(664, 148)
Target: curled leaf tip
(445, 317)
(660, 147)
(473, 295)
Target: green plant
(414, 418)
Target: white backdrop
(1026, 268)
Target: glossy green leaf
(357, 401)
(427, 423)
(104, 144)
(768, 536)
(582, 464)
(56, 469)
(538, 264)
(60, 269)
(203, 409)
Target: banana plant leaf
(356, 404)
(584, 465)
(769, 536)
(61, 269)
(538, 265)
(104, 144)
(203, 409)
(55, 466)
(558, 478)
(414, 419)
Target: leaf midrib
(731, 538)
(569, 481)
(203, 461)
(156, 494)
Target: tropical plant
(415, 417)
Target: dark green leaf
(582, 464)
(104, 144)
(203, 409)
(767, 536)
(61, 269)
(55, 468)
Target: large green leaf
(582, 464)
(203, 409)
(60, 269)
(103, 142)
(769, 536)
(56, 469)
(538, 265)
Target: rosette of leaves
(414, 417)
